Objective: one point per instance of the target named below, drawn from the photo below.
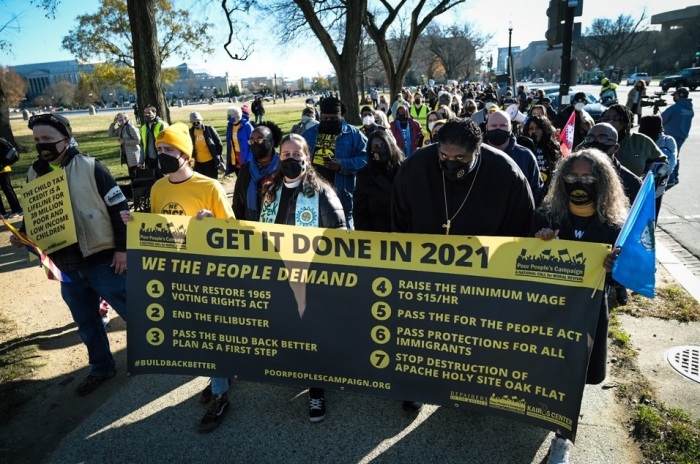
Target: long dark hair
(396, 156)
(611, 202)
(312, 183)
(549, 143)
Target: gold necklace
(448, 224)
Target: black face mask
(197, 124)
(600, 146)
(292, 168)
(418, 101)
(380, 156)
(261, 150)
(581, 194)
(48, 151)
(168, 164)
(454, 170)
(497, 136)
(330, 127)
(402, 117)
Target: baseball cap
(682, 92)
(195, 117)
(58, 122)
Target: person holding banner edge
(585, 202)
(95, 266)
(192, 194)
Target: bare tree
(367, 64)
(456, 47)
(338, 26)
(398, 64)
(236, 26)
(607, 40)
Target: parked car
(688, 77)
(642, 76)
(538, 80)
(594, 107)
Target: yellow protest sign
(48, 213)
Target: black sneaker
(317, 407)
(205, 396)
(412, 406)
(218, 407)
(621, 295)
(91, 382)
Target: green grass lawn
(91, 132)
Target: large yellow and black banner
(497, 325)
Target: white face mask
(579, 106)
(431, 124)
(367, 120)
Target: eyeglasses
(256, 141)
(586, 180)
(602, 138)
(609, 119)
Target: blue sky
(39, 38)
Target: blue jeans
(218, 386)
(82, 295)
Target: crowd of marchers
(468, 160)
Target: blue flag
(635, 267)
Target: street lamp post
(510, 56)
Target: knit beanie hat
(177, 135)
(331, 105)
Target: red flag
(566, 136)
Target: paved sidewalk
(154, 418)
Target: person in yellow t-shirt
(6, 183)
(184, 191)
(207, 147)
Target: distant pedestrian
(129, 142)
(258, 110)
(207, 147)
(677, 120)
(6, 181)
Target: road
(680, 211)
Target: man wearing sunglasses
(603, 137)
(95, 266)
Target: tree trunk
(5, 127)
(344, 63)
(147, 60)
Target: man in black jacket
(92, 265)
(603, 136)
(207, 147)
